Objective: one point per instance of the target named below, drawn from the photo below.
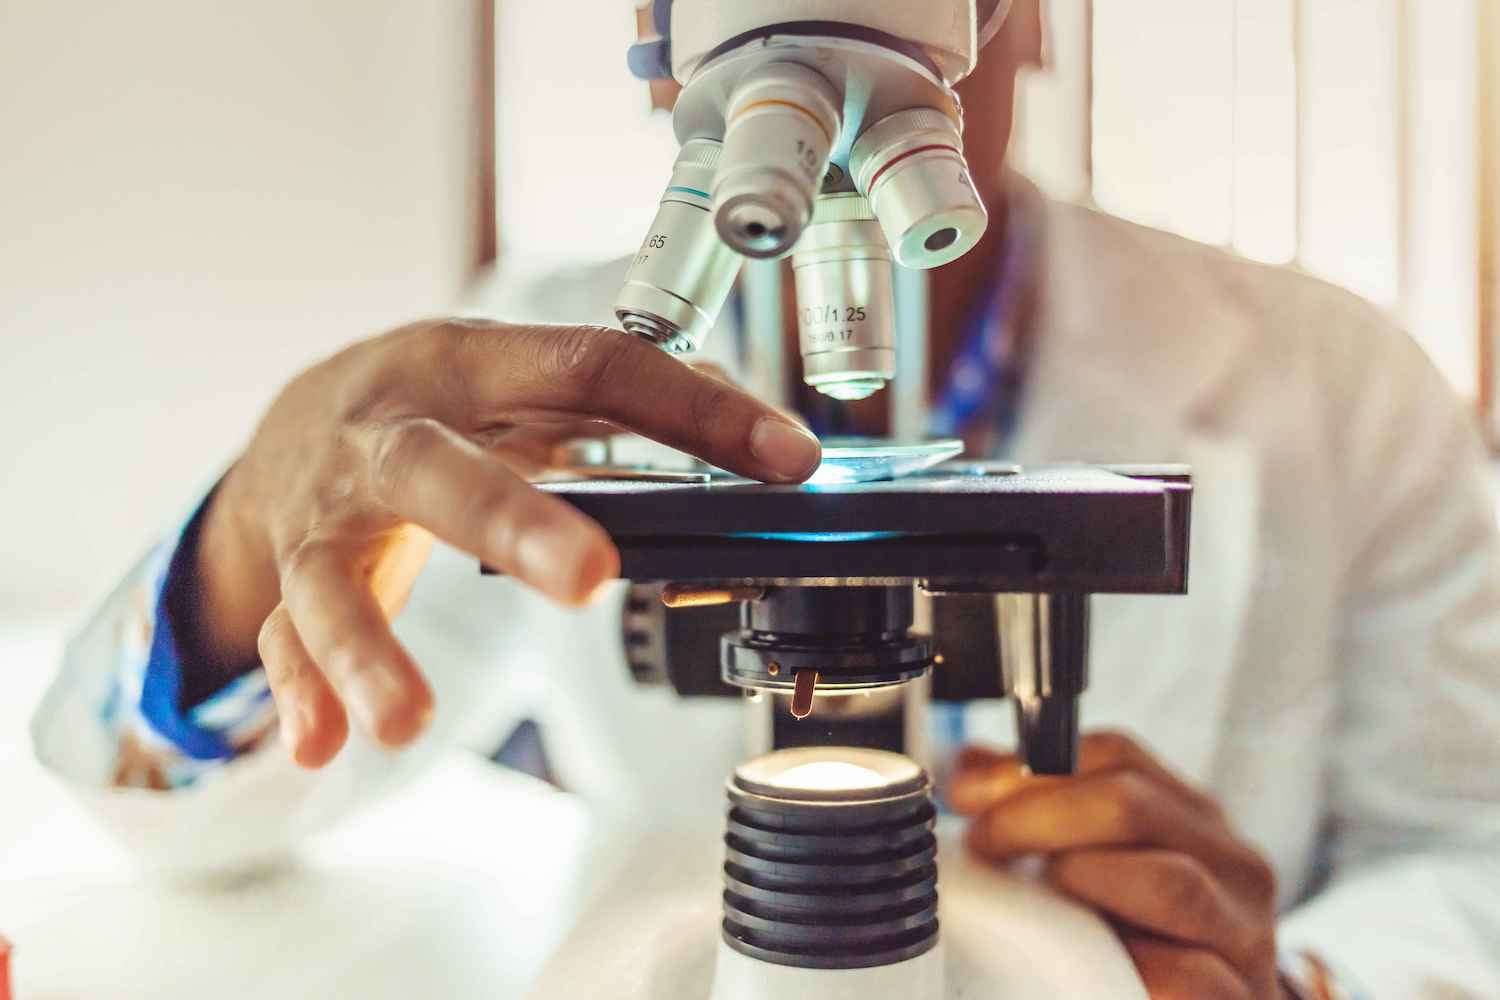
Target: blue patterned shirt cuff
(161, 745)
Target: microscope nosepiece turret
(836, 139)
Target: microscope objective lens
(941, 240)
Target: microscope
(828, 131)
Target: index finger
(1108, 809)
(983, 777)
(513, 374)
(1115, 809)
(1164, 892)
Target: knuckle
(1261, 952)
(1261, 878)
(712, 370)
(1069, 869)
(707, 406)
(983, 831)
(503, 533)
(1187, 888)
(434, 347)
(1198, 988)
(375, 375)
(1212, 807)
(1175, 971)
(1198, 974)
(452, 344)
(270, 642)
(438, 338)
(344, 660)
(398, 452)
(1113, 747)
(489, 515)
(418, 367)
(582, 358)
(1129, 802)
(1213, 979)
(501, 514)
(298, 562)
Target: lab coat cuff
(179, 744)
(1308, 976)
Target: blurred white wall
(196, 199)
(583, 159)
(1344, 137)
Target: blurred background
(198, 199)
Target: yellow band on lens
(785, 104)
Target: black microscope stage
(1064, 528)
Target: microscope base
(1003, 937)
(740, 977)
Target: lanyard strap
(980, 401)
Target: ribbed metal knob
(830, 860)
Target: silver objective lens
(845, 313)
(683, 273)
(779, 125)
(911, 166)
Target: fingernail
(561, 560)
(786, 449)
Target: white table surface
(459, 885)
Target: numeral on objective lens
(834, 336)
(656, 241)
(807, 158)
(832, 314)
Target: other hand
(1194, 905)
(316, 535)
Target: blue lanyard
(980, 400)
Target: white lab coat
(1333, 676)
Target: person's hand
(1194, 905)
(316, 535)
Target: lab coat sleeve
(187, 814)
(1411, 902)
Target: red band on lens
(870, 187)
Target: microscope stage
(1065, 528)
